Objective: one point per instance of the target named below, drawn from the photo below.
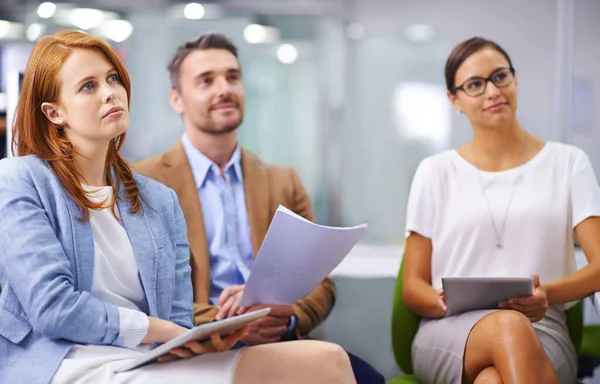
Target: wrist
(437, 306)
(546, 288)
(438, 312)
(177, 330)
(169, 330)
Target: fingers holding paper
(229, 302)
(533, 306)
(214, 344)
(228, 292)
(229, 305)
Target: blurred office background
(350, 92)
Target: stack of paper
(295, 257)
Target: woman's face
(496, 105)
(92, 106)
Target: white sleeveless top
(553, 192)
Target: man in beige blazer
(229, 196)
(207, 91)
(266, 187)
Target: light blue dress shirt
(225, 218)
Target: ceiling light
(117, 30)
(261, 34)
(255, 33)
(4, 28)
(34, 31)
(355, 31)
(86, 18)
(287, 53)
(420, 32)
(46, 10)
(193, 11)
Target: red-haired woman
(94, 258)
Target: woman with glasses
(504, 204)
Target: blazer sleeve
(34, 263)
(314, 308)
(181, 310)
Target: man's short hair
(201, 43)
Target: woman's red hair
(34, 134)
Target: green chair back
(575, 324)
(405, 324)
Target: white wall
(586, 67)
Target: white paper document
(295, 257)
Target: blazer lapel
(145, 252)
(256, 187)
(178, 175)
(83, 247)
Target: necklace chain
(498, 232)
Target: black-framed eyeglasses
(476, 86)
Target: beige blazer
(266, 187)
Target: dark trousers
(365, 373)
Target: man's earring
(458, 112)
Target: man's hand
(267, 329)
(270, 328)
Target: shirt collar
(201, 165)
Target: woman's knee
(305, 361)
(326, 351)
(510, 322)
(330, 360)
(497, 337)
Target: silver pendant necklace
(499, 232)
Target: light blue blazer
(46, 265)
